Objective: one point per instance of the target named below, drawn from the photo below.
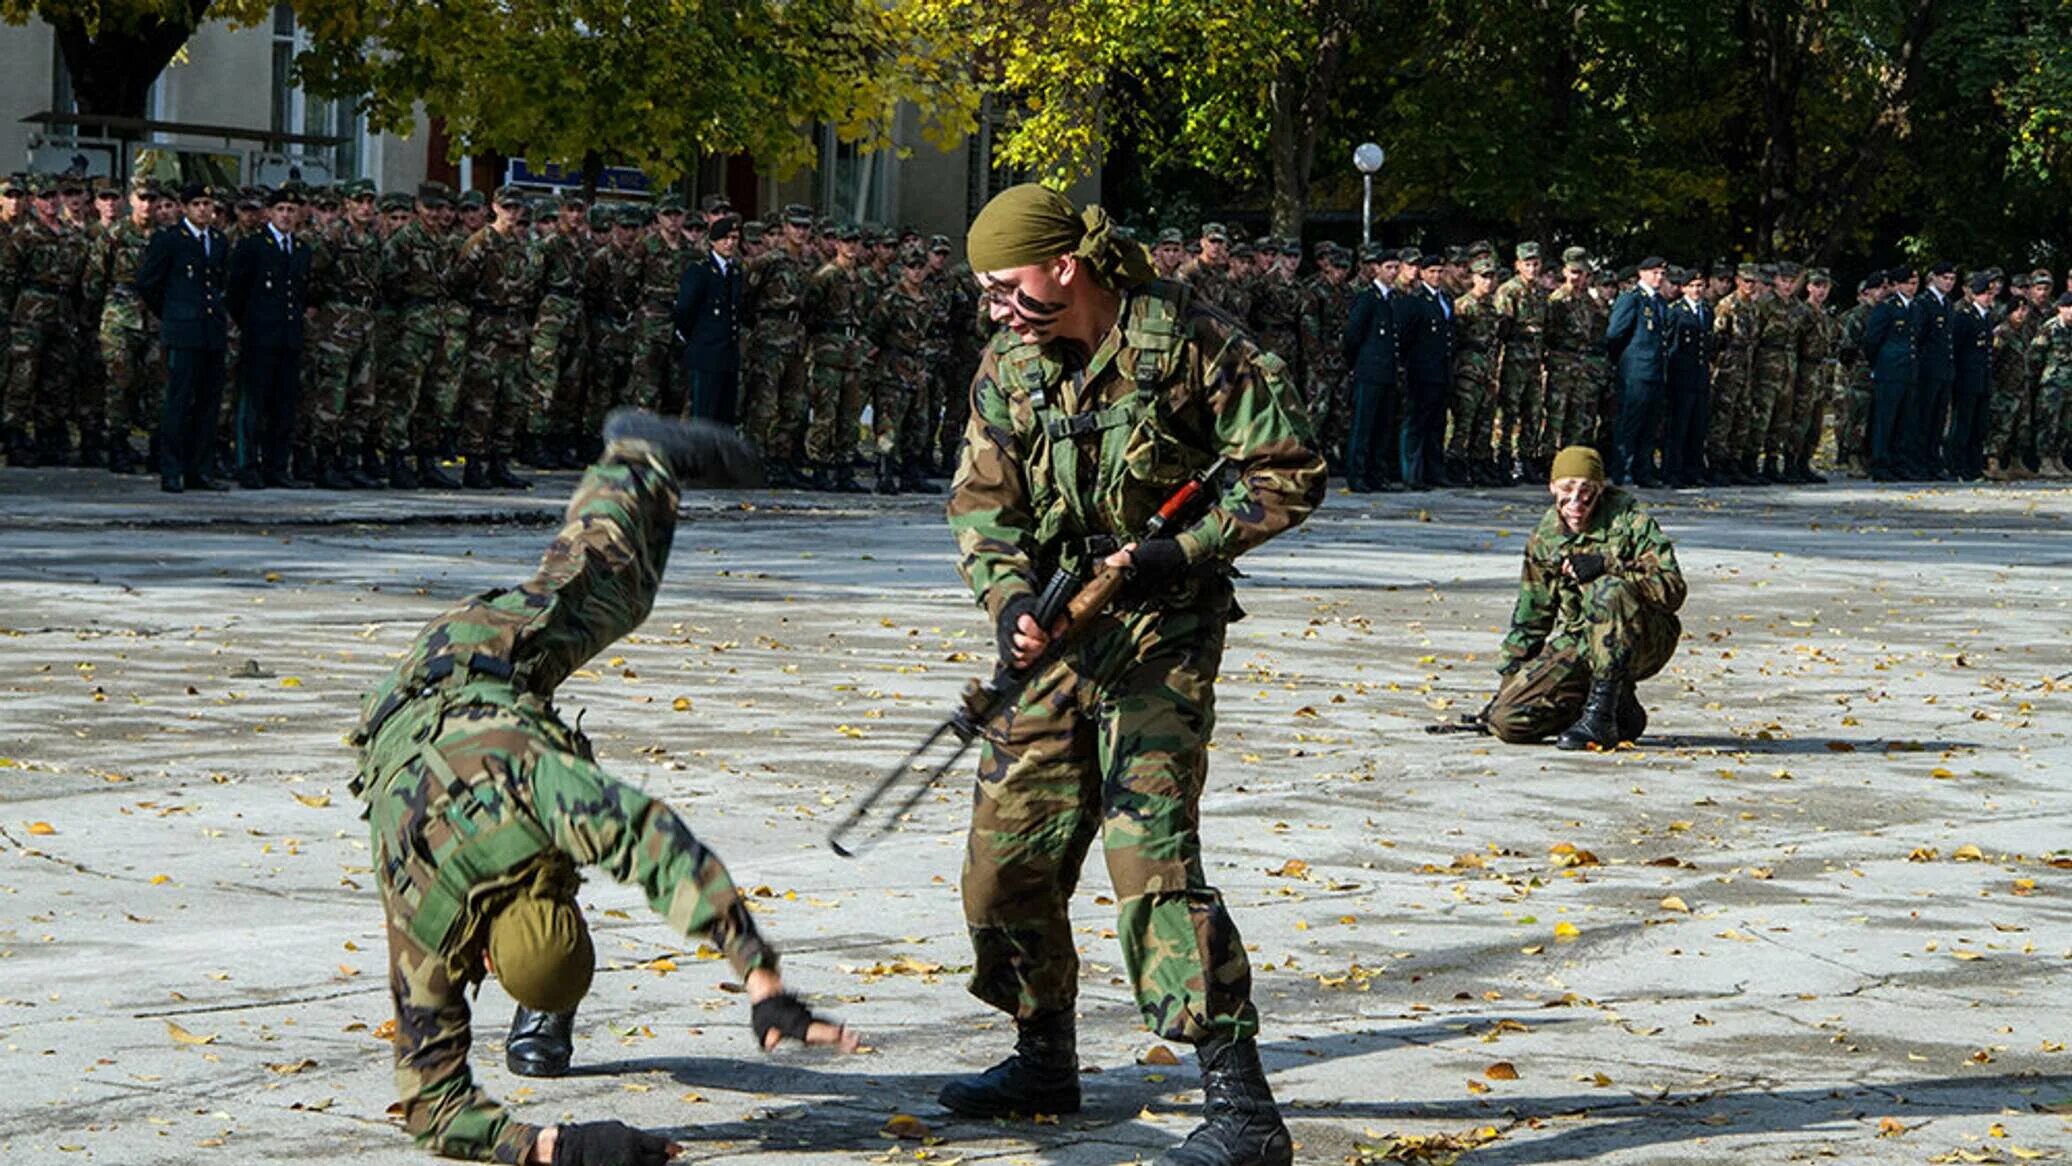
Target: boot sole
(1062, 1106)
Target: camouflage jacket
(1474, 335)
(2010, 373)
(835, 299)
(560, 260)
(1820, 342)
(1575, 325)
(1734, 324)
(900, 321)
(1214, 286)
(773, 288)
(1521, 315)
(495, 272)
(1849, 336)
(2050, 350)
(413, 266)
(1055, 454)
(346, 267)
(1277, 306)
(49, 260)
(1780, 325)
(117, 254)
(1325, 307)
(611, 282)
(662, 262)
(1550, 603)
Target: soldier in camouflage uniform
(1521, 327)
(496, 275)
(2051, 352)
(128, 333)
(1596, 613)
(1210, 273)
(920, 442)
(1818, 376)
(558, 343)
(1168, 252)
(1468, 455)
(482, 803)
(1105, 391)
(414, 380)
(2013, 391)
(1852, 428)
(1575, 329)
(1327, 299)
(898, 324)
(773, 298)
(48, 262)
(834, 307)
(345, 288)
(1277, 302)
(660, 381)
(1781, 325)
(1735, 325)
(611, 289)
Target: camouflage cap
(715, 203)
(600, 217)
(70, 183)
(543, 207)
(473, 200)
(1266, 243)
(41, 185)
(1721, 269)
(1376, 253)
(848, 233)
(1456, 254)
(1786, 269)
(1483, 265)
(1528, 250)
(1981, 283)
(940, 245)
(1408, 255)
(394, 200)
(798, 214)
(106, 187)
(694, 224)
(144, 184)
(1291, 247)
(1215, 231)
(1575, 255)
(251, 198)
(1748, 271)
(15, 185)
(1574, 265)
(326, 197)
(1171, 236)
(752, 231)
(669, 204)
(358, 188)
(2040, 275)
(637, 214)
(913, 255)
(434, 194)
(1604, 275)
(1996, 273)
(1479, 248)
(1242, 250)
(1819, 275)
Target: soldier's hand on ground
(1583, 566)
(605, 1143)
(776, 1015)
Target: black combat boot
(331, 473)
(433, 476)
(502, 478)
(1598, 725)
(1808, 475)
(821, 479)
(845, 481)
(400, 475)
(1240, 1124)
(541, 1043)
(1632, 715)
(122, 456)
(1041, 1077)
(692, 447)
(366, 470)
(914, 477)
(475, 475)
(1769, 473)
(93, 448)
(888, 475)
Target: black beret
(1943, 268)
(1651, 262)
(723, 227)
(2065, 300)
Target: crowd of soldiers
(1758, 361)
(490, 328)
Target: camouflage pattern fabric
(1565, 633)
(345, 285)
(476, 789)
(611, 284)
(1782, 324)
(128, 335)
(2013, 399)
(1734, 326)
(1113, 735)
(1326, 304)
(899, 325)
(413, 266)
(1853, 426)
(1575, 328)
(774, 398)
(660, 380)
(1276, 321)
(924, 435)
(1215, 287)
(834, 307)
(1521, 313)
(1474, 400)
(498, 275)
(49, 264)
(2051, 351)
(555, 359)
(1815, 385)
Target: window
(852, 183)
(296, 112)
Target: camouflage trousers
(1330, 404)
(898, 395)
(609, 370)
(1810, 394)
(1521, 404)
(1571, 401)
(1112, 739)
(2053, 417)
(660, 381)
(555, 403)
(1853, 430)
(451, 373)
(1773, 402)
(2008, 428)
(1623, 635)
(496, 396)
(413, 381)
(89, 405)
(477, 748)
(956, 410)
(1728, 440)
(834, 375)
(40, 362)
(922, 435)
(773, 407)
(339, 382)
(134, 367)
(1473, 407)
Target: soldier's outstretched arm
(1261, 428)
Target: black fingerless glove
(608, 1143)
(1586, 565)
(1010, 620)
(1155, 565)
(782, 1014)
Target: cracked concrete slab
(1821, 912)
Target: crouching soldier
(1596, 613)
(483, 803)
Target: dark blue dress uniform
(1938, 371)
(268, 295)
(708, 317)
(1888, 345)
(1425, 352)
(1688, 408)
(1971, 338)
(181, 279)
(1369, 348)
(1636, 338)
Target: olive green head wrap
(539, 946)
(1577, 461)
(1031, 223)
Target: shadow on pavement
(1728, 743)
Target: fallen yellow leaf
(681, 704)
(42, 828)
(905, 1126)
(182, 1036)
(1158, 1055)
(1675, 903)
(1967, 853)
(291, 682)
(314, 801)
(1501, 1071)
(1566, 931)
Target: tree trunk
(112, 71)
(1301, 101)
(593, 173)
(1862, 169)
